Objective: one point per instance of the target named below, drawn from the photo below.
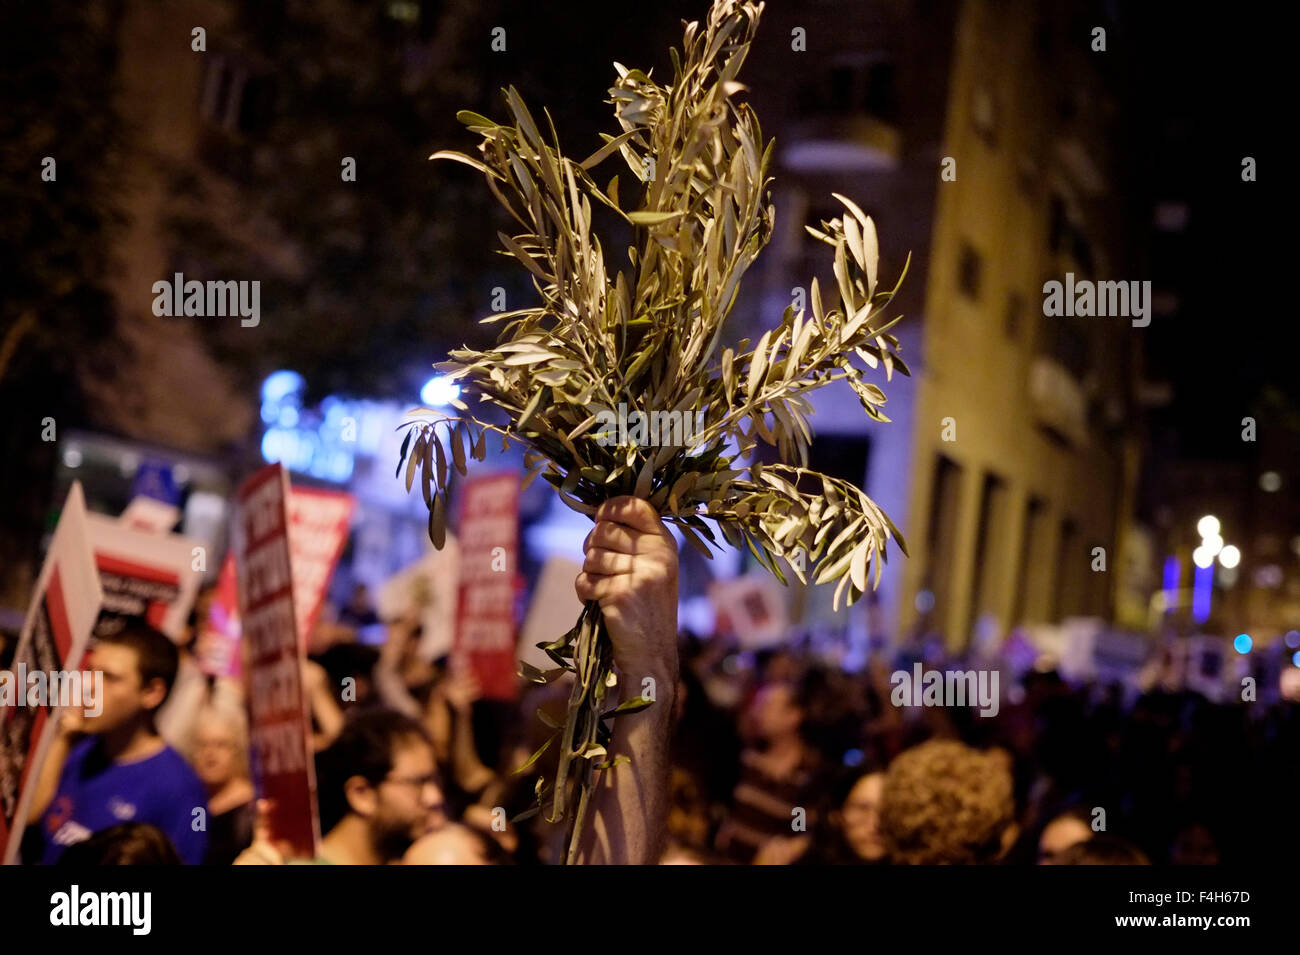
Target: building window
(856, 84)
(233, 98)
(969, 271)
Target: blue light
(1243, 643)
(1292, 639)
(438, 391)
(280, 385)
(1173, 573)
(1296, 658)
(1202, 591)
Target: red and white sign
(147, 514)
(217, 645)
(144, 574)
(54, 637)
(489, 560)
(318, 530)
(279, 724)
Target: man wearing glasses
(379, 793)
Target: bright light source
(72, 458)
(1213, 543)
(1243, 643)
(1270, 481)
(439, 391)
(279, 385)
(1229, 557)
(1202, 557)
(1207, 525)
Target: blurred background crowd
(779, 757)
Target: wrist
(633, 673)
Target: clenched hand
(631, 569)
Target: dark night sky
(1210, 89)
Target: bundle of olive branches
(649, 338)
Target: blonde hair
(946, 804)
(229, 716)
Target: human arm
(631, 569)
(47, 783)
(322, 705)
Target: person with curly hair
(944, 803)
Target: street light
(1230, 556)
(439, 391)
(1208, 525)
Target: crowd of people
(777, 758)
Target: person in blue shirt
(113, 767)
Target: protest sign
(318, 530)
(279, 726)
(551, 611)
(430, 589)
(59, 620)
(144, 574)
(754, 608)
(489, 552)
(217, 645)
(148, 514)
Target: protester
(944, 803)
(1100, 850)
(379, 792)
(630, 569)
(1066, 830)
(177, 717)
(114, 767)
(779, 782)
(453, 844)
(220, 758)
(861, 816)
(130, 843)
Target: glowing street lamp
(1230, 556)
(439, 392)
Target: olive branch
(649, 338)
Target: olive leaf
(648, 336)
